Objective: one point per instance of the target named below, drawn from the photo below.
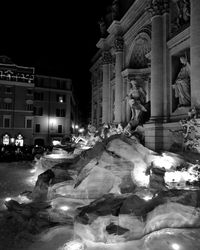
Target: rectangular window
(38, 111)
(37, 128)
(29, 92)
(38, 96)
(60, 112)
(58, 84)
(7, 105)
(57, 112)
(28, 122)
(59, 128)
(6, 121)
(8, 90)
(63, 85)
(60, 98)
(34, 110)
(29, 107)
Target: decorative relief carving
(141, 48)
(119, 44)
(107, 57)
(180, 14)
(158, 7)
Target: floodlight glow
(52, 121)
(23, 199)
(55, 142)
(147, 197)
(81, 130)
(64, 208)
(33, 170)
(175, 246)
(76, 127)
(8, 199)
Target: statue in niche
(182, 83)
(136, 99)
(103, 28)
(115, 9)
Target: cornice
(133, 14)
(133, 31)
(115, 27)
(182, 36)
(128, 72)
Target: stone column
(157, 70)
(92, 102)
(154, 130)
(157, 62)
(118, 44)
(166, 72)
(124, 87)
(195, 52)
(106, 60)
(128, 110)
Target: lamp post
(76, 129)
(52, 123)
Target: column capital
(106, 57)
(158, 7)
(118, 44)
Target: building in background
(16, 102)
(146, 41)
(34, 109)
(54, 109)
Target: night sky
(58, 39)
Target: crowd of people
(9, 153)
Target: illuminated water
(18, 177)
(14, 178)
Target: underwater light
(64, 208)
(8, 199)
(147, 197)
(175, 246)
(33, 170)
(73, 245)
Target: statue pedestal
(158, 136)
(180, 113)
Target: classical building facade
(34, 109)
(157, 44)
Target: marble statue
(182, 83)
(115, 9)
(102, 26)
(180, 14)
(183, 8)
(136, 99)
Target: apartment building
(34, 109)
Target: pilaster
(118, 45)
(106, 61)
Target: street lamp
(52, 122)
(76, 129)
